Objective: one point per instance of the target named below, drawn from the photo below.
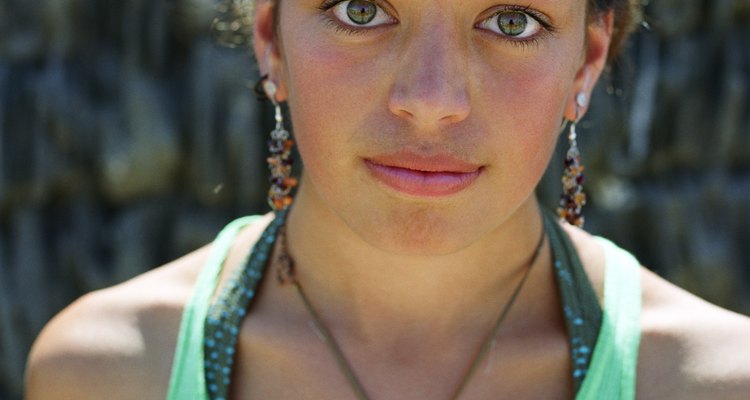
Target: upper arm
(65, 375)
(87, 351)
(721, 364)
(691, 349)
(50, 374)
(717, 364)
(115, 343)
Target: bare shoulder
(116, 342)
(119, 342)
(690, 349)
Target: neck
(367, 290)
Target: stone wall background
(128, 138)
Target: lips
(423, 176)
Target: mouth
(423, 176)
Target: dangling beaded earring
(280, 161)
(573, 198)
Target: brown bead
(290, 182)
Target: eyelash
(547, 28)
(346, 29)
(338, 26)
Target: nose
(430, 86)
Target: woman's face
(425, 125)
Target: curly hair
(234, 25)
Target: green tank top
(603, 343)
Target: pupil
(512, 23)
(361, 11)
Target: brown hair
(234, 25)
(627, 15)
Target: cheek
(332, 95)
(544, 95)
(525, 103)
(523, 99)
(312, 78)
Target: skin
(409, 286)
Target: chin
(402, 226)
(417, 231)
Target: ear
(599, 35)
(265, 44)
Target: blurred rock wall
(128, 138)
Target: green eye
(361, 11)
(512, 23)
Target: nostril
(452, 118)
(431, 108)
(404, 113)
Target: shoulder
(690, 349)
(116, 342)
(119, 342)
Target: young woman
(415, 262)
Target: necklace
(285, 274)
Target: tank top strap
(613, 367)
(225, 316)
(208, 374)
(580, 305)
(187, 378)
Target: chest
(294, 365)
